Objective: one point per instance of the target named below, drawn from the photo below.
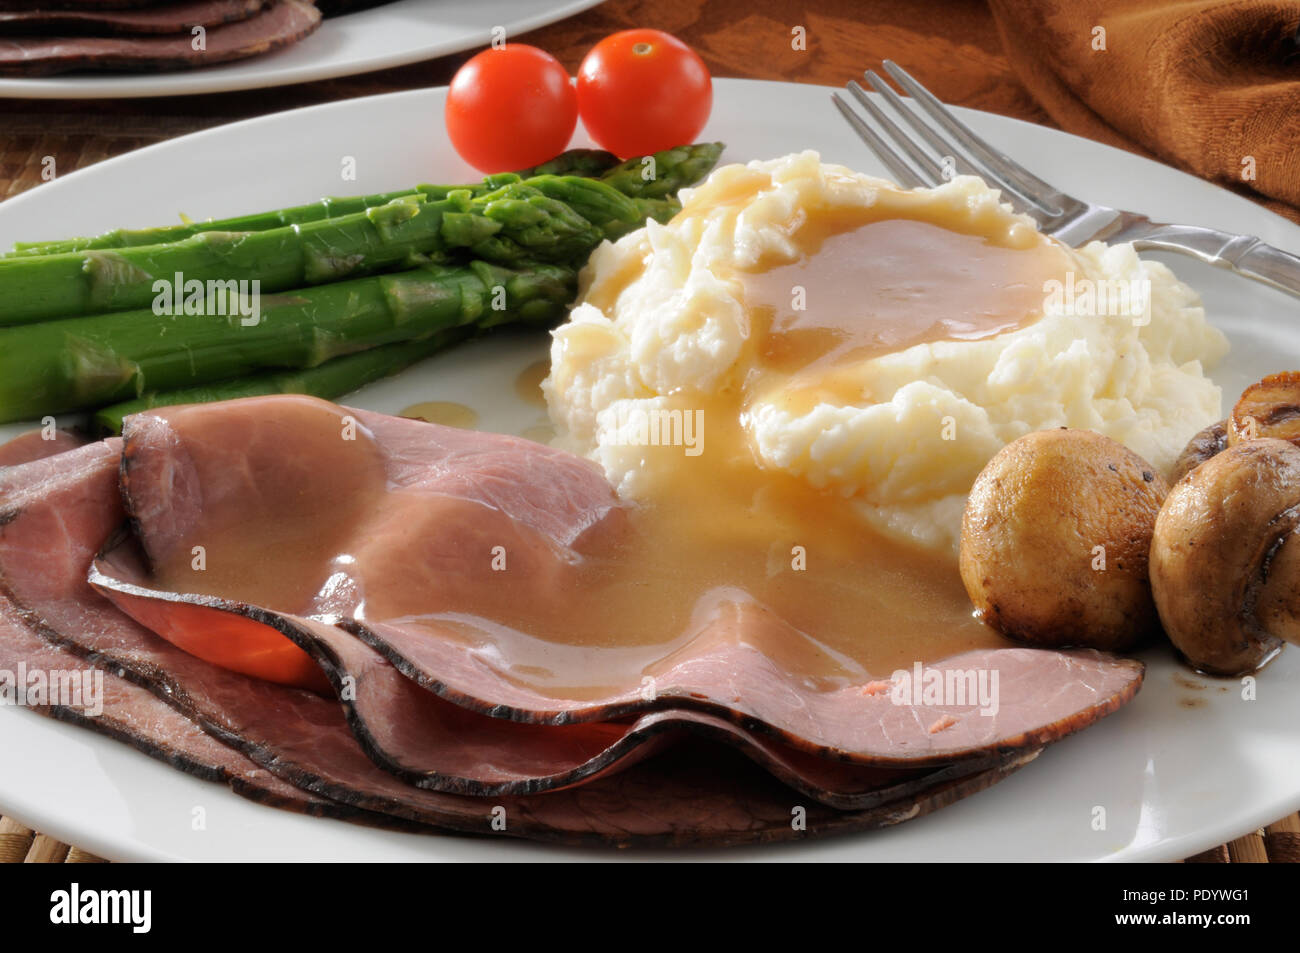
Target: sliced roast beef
(390, 531)
(408, 738)
(413, 732)
(163, 18)
(278, 25)
(49, 530)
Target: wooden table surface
(950, 45)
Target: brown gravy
(445, 412)
(864, 287)
(528, 385)
(539, 433)
(862, 290)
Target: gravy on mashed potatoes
(876, 345)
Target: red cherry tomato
(510, 108)
(640, 91)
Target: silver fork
(953, 146)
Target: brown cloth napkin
(1210, 86)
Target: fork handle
(1245, 254)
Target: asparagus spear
(661, 175)
(651, 182)
(258, 222)
(330, 380)
(92, 361)
(588, 163)
(583, 162)
(557, 219)
(673, 169)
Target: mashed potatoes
(666, 324)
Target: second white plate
(391, 35)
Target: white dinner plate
(395, 34)
(1188, 765)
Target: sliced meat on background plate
(281, 23)
(77, 4)
(390, 534)
(163, 18)
(50, 526)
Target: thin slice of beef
(49, 532)
(280, 24)
(193, 474)
(164, 18)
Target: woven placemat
(19, 845)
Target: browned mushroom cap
(1207, 443)
(1055, 540)
(1269, 408)
(1224, 565)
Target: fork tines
(939, 145)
